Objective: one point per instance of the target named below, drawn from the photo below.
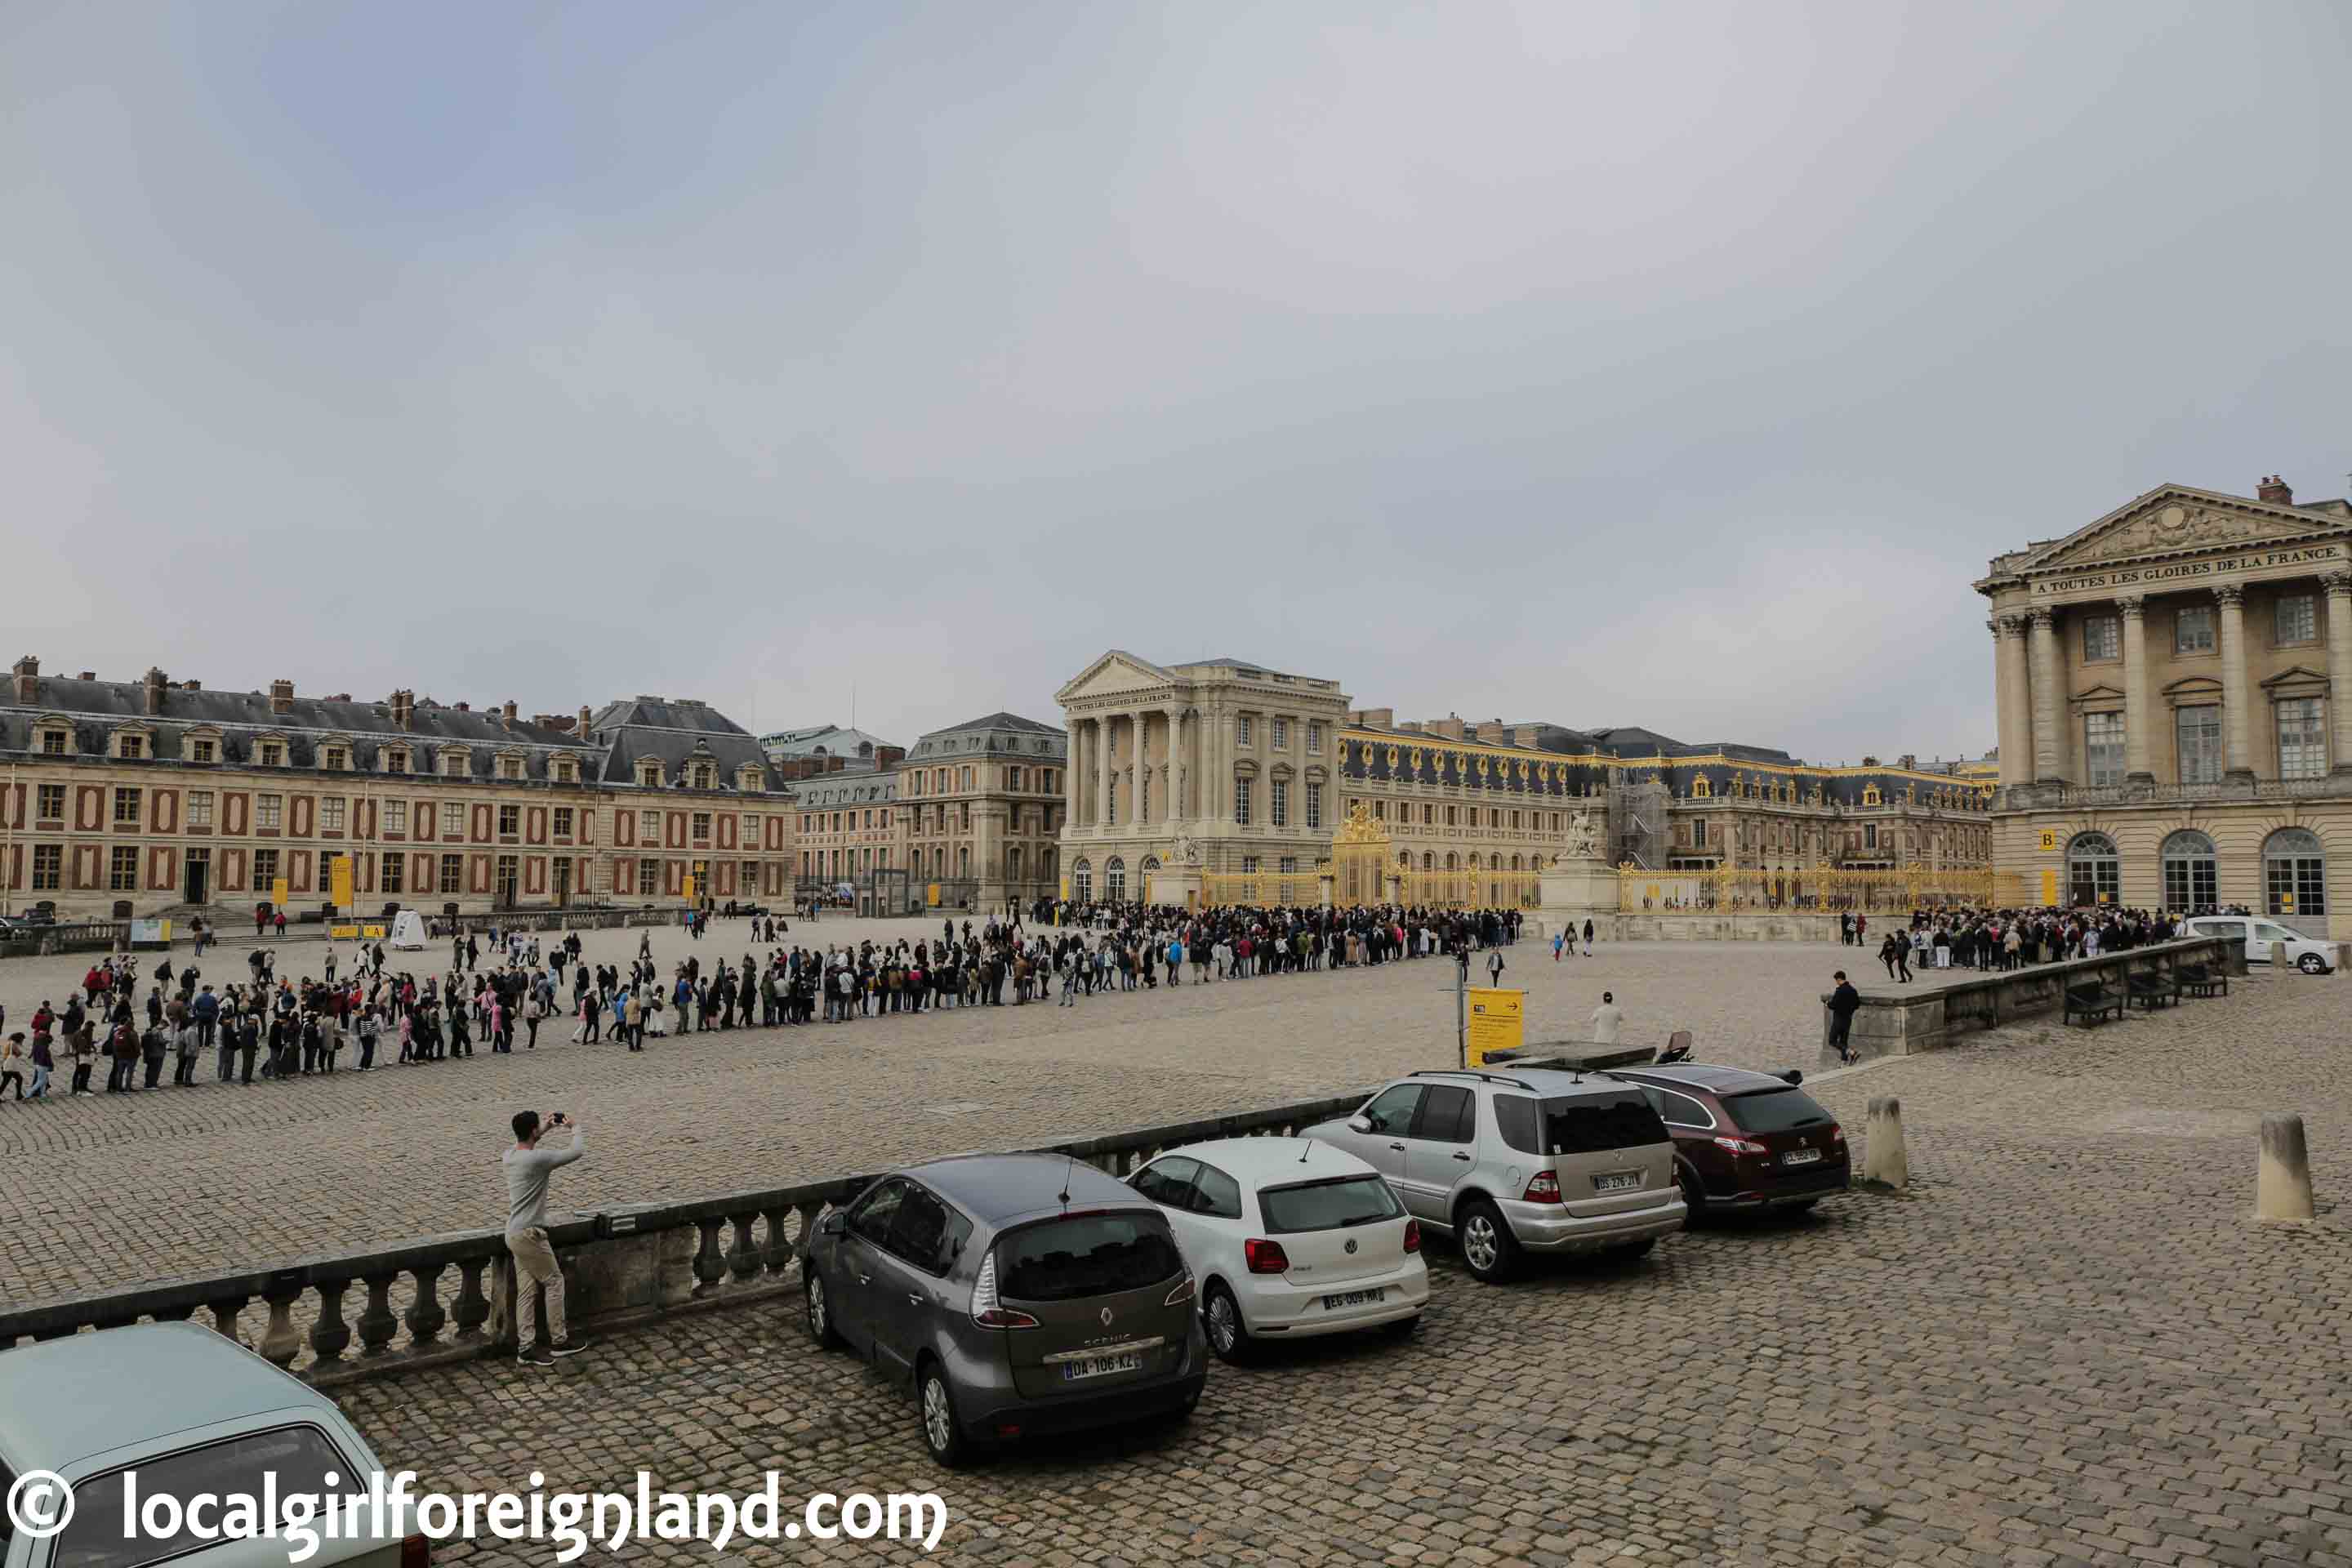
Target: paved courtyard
(2068, 1344)
(147, 1186)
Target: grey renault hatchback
(1016, 1294)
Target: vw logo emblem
(1351, 1244)
(1105, 1317)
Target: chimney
(191, 686)
(404, 709)
(2273, 489)
(87, 674)
(1378, 718)
(281, 696)
(156, 686)
(584, 716)
(465, 708)
(28, 678)
(506, 713)
(1908, 762)
(1491, 732)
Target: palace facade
(1233, 769)
(2175, 692)
(156, 796)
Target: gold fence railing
(1878, 890)
(1296, 889)
(1473, 889)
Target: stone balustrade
(331, 1319)
(1943, 1002)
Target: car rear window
(1086, 1254)
(1775, 1110)
(301, 1456)
(1594, 1123)
(1332, 1204)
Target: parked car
(1746, 1140)
(1289, 1238)
(191, 1413)
(1535, 1160)
(1017, 1294)
(2311, 957)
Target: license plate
(1623, 1182)
(1350, 1299)
(1101, 1366)
(1800, 1156)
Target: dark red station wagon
(1745, 1140)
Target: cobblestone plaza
(2069, 1343)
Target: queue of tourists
(2008, 939)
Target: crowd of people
(2009, 938)
(270, 1029)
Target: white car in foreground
(1289, 1238)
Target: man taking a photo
(529, 1168)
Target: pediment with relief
(1113, 673)
(2173, 522)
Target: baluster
(473, 1306)
(425, 1314)
(810, 1215)
(280, 1342)
(377, 1324)
(225, 1314)
(179, 1314)
(779, 1254)
(710, 1261)
(744, 1258)
(331, 1336)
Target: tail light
(1182, 1293)
(1741, 1145)
(1544, 1189)
(1265, 1256)
(1837, 1133)
(989, 1312)
(415, 1551)
(1412, 1235)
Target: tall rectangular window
(49, 803)
(330, 814)
(649, 878)
(264, 869)
(509, 821)
(269, 810)
(2192, 629)
(200, 808)
(1242, 728)
(2298, 619)
(1314, 736)
(122, 873)
(1277, 801)
(2103, 746)
(453, 819)
(1314, 806)
(2302, 739)
(1281, 734)
(395, 816)
(453, 873)
(2103, 637)
(2198, 732)
(126, 808)
(1241, 800)
(393, 875)
(48, 866)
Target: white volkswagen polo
(1289, 1238)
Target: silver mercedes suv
(1529, 1160)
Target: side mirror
(832, 1224)
(1360, 1124)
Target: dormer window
(335, 759)
(453, 764)
(395, 760)
(133, 746)
(703, 776)
(1871, 796)
(751, 780)
(510, 767)
(53, 742)
(649, 774)
(566, 770)
(273, 753)
(204, 751)
(1701, 789)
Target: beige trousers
(534, 1266)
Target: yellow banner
(373, 933)
(339, 882)
(1497, 1020)
(932, 892)
(2049, 890)
(277, 892)
(689, 887)
(343, 934)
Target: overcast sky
(1677, 364)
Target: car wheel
(1489, 1251)
(942, 1433)
(2312, 963)
(819, 1312)
(1694, 1189)
(1221, 1320)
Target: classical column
(1175, 716)
(2049, 699)
(2237, 692)
(2138, 713)
(1102, 771)
(1071, 793)
(1138, 768)
(2014, 702)
(2339, 585)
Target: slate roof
(667, 713)
(998, 732)
(824, 740)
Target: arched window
(1451, 863)
(1115, 880)
(1082, 880)
(2092, 871)
(1428, 861)
(2189, 883)
(1701, 788)
(1515, 862)
(2295, 873)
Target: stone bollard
(1884, 1159)
(2279, 965)
(2282, 1180)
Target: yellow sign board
(339, 881)
(689, 887)
(2049, 890)
(932, 891)
(2287, 903)
(373, 933)
(277, 892)
(2049, 838)
(1497, 1020)
(343, 934)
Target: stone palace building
(1238, 776)
(2175, 693)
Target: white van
(2311, 957)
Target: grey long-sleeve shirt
(528, 1171)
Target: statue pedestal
(1573, 892)
(1177, 885)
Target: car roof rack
(1472, 1072)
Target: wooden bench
(2199, 981)
(2093, 1004)
(2151, 992)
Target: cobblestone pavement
(2067, 1344)
(116, 1190)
